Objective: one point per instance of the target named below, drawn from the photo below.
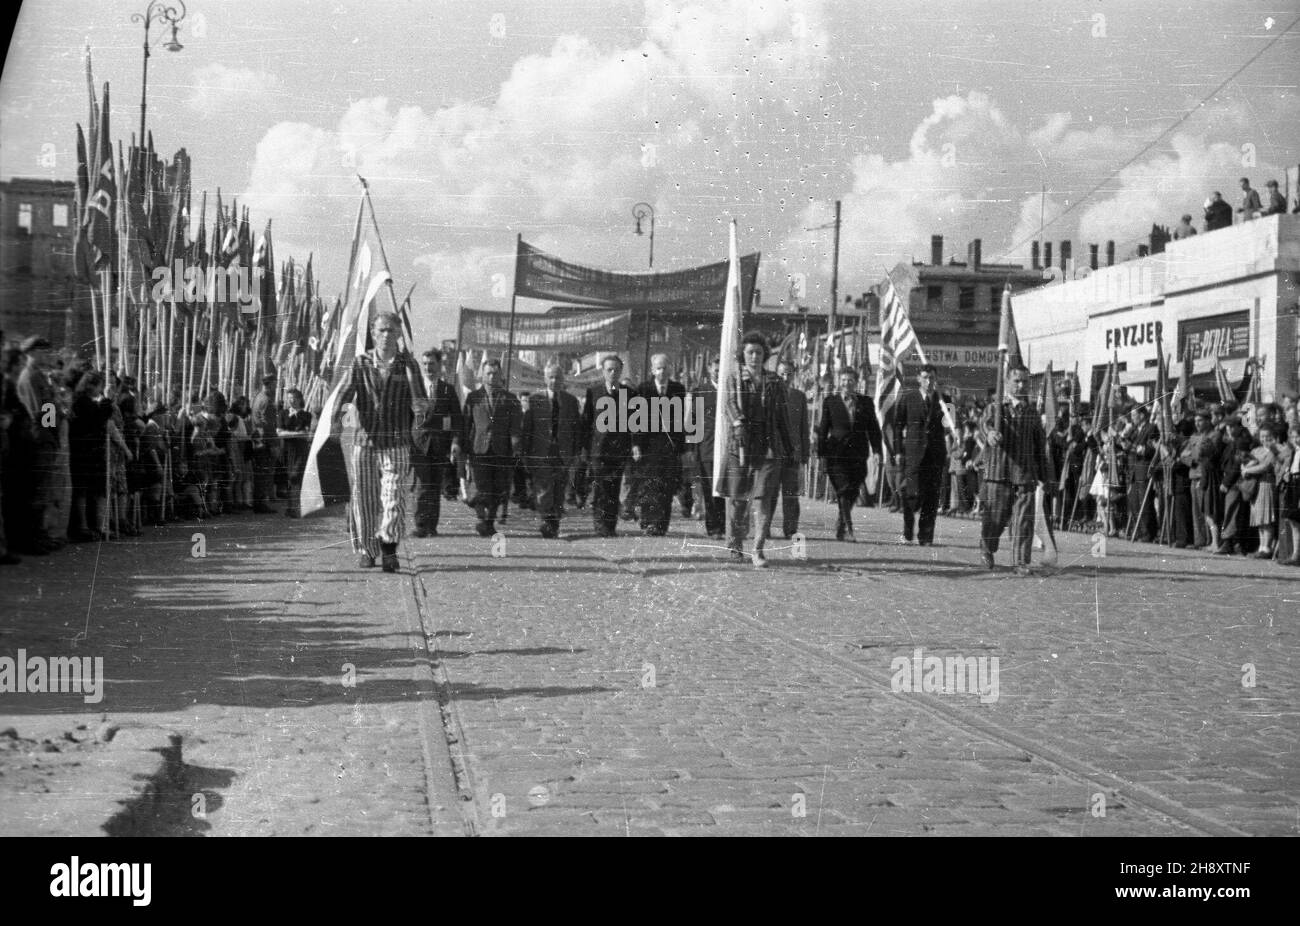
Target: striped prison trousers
(378, 508)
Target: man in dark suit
(921, 451)
(846, 434)
(704, 401)
(552, 440)
(1140, 447)
(435, 444)
(609, 446)
(658, 447)
(493, 436)
(796, 409)
(1016, 463)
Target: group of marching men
(404, 418)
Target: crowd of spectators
(88, 457)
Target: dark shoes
(737, 556)
(986, 558)
(1024, 571)
(550, 529)
(484, 528)
(420, 532)
(366, 561)
(264, 509)
(390, 557)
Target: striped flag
(896, 338)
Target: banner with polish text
(566, 334)
(539, 275)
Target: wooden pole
(835, 293)
(94, 317)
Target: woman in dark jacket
(847, 433)
(88, 441)
(758, 442)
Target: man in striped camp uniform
(384, 385)
(1016, 462)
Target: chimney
(936, 250)
(1065, 256)
(1110, 254)
(975, 254)
(1144, 250)
(1092, 257)
(1047, 255)
(1033, 255)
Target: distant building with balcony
(955, 308)
(1226, 296)
(39, 293)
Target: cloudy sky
(477, 121)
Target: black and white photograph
(750, 418)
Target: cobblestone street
(648, 686)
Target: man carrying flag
(896, 339)
(380, 386)
(1016, 465)
(1016, 462)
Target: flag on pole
(728, 352)
(1183, 392)
(1007, 339)
(367, 274)
(1101, 401)
(1050, 411)
(1221, 381)
(897, 337)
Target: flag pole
(514, 294)
(416, 383)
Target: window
(934, 298)
(60, 215)
(966, 298)
(995, 299)
(25, 216)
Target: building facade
(955, 309)
(39, 294)
(1226, 296)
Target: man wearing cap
(265, 421)
(39, 398)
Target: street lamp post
(641, 212)
(161, 12)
